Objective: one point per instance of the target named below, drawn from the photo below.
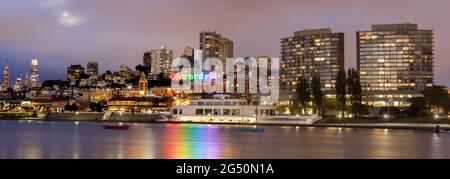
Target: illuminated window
(319, 59)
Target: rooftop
(394, 27)
(308, 32)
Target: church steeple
(143, 83)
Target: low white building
(221, 109)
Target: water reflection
(197, 141)
(24, 139)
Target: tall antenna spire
(6, 76)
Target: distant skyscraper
(226, 48)
(34, 73)
(18, 84)
(189, 55)
(147, 60)
(21, 83)
(161, 60)
(26, 81)
(395, 62)
(6, 77)
(92, 68)
(209, 44)
(189, 51)
(214, 45)
(311, 52)
(75, 72)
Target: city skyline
(61, 42)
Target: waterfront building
(140, 104)
(34, 73)
(10, 104)
(96, 95)
(395, 62)
(311, 52)
(162, 91)
(221, 108)
(37, 104)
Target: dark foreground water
(185, 141)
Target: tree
(142, 68)
(329, 104)
(435, 97)
(341, 91)
(71, 107)
(301, 96)
(97, 107)
(390, 111)
(296, 100)
(304, 94)
(316, 89)
(418, 106)
(354, 90)
(447, 106)
(362, 109)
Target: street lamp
(386, 118)
(436, 117)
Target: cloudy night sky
(115, 32)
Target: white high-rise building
(161, 60)
(34, 73)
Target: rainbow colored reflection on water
(191, 141)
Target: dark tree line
(304, 91)
(348, 92)
(435, 99)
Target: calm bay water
(67, 140)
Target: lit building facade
(75, 72)
(96, 95)
(221, 108)
(140, 91)
(92, 68)
(34, 73)
(395, 62)
(214, 45)
(161, 61)
(189, 51)
(6, 77)
(308, 53)
(140, 104)
(147, 59)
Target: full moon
(65, 14)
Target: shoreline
(394, 126)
